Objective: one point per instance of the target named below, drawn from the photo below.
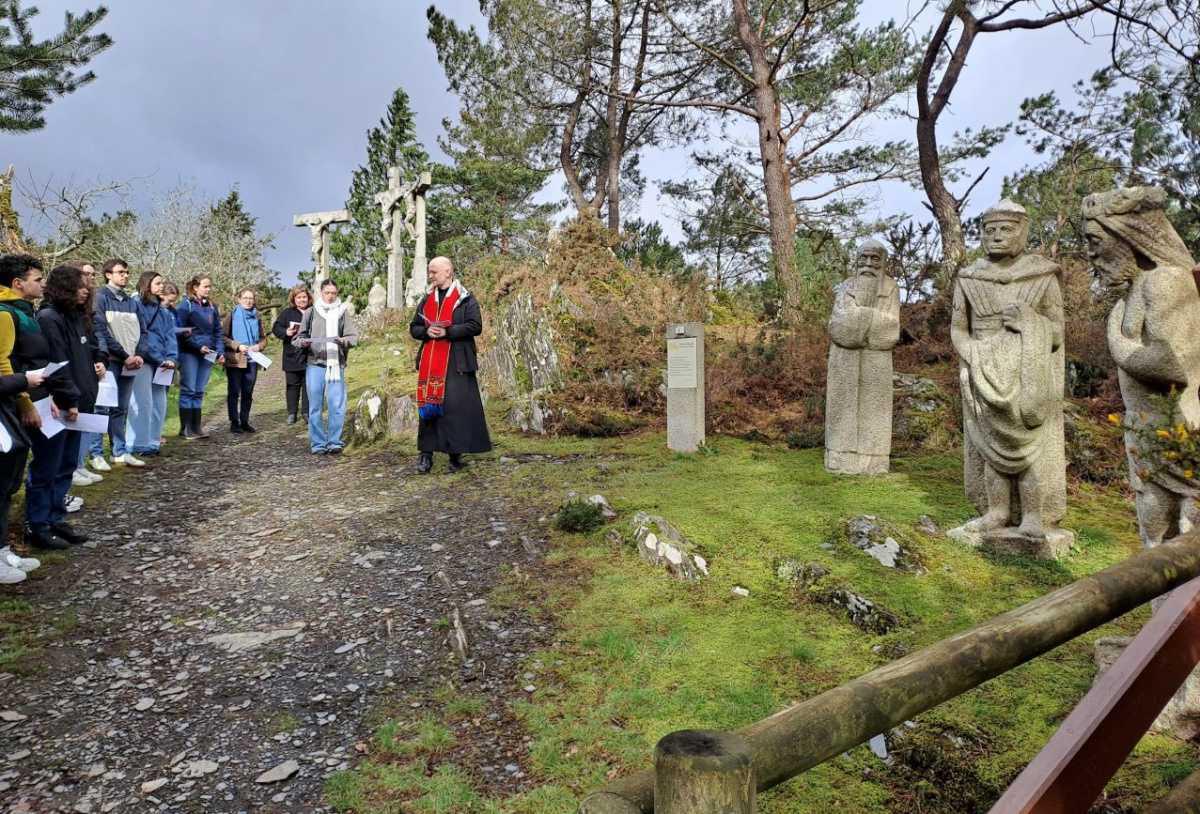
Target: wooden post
(701, 772)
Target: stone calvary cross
(410, 196)
(318, 224)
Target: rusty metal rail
(811, 732)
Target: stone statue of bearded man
(1007, 328)
(864, 327)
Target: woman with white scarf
(326, 334)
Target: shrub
(579, 517)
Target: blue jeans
(86, 440)
(320, 392)
(148, 403)
(116, 417)
(50, 477)
(193, 379)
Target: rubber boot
(424, 462)
(197, 427)
(185, 423)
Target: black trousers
(297, 393)
(12, 473)
(241, 391)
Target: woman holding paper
(63, 323)
(244, 336)
(285, 329)
(201, 345)
(159, 350)
(326, 335)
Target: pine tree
(230, 210)
(359, 250)
(33, 73)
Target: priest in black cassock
(446, 322)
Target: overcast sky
(277, 97)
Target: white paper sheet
(211, 356)
(50, 369)
(88, 422)
(107, 394)
(164, 376)
(260, 359)
(5, 439)
(51, 426)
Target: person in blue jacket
(159, 349)
(118, 331)
(204, 339)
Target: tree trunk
(612, 121)
(781, 211)
(699, 772)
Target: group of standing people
(122, 348)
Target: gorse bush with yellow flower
(1164, 443)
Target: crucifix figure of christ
(318, 224)
(394, 226)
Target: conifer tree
(33, 73)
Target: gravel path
(246, 606)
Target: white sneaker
(10, 575)
(99, 464)
(129, 460)
(26, 564)
(72, 504)
(81, 477)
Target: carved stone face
(1113, 261)
(871, 261)
(1004, 238)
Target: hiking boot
(69, 534)
(425, 462)
(43, 537)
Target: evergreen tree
(359, 250)
(230, 210)
(491, 184)
(35, 72)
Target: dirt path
(142, 706)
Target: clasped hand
(436, 332)
(1013, 316)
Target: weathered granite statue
(864, 327)
(1153, 335)
(1146, 270)
(1007, 327)
(376, 298)
(318, 224)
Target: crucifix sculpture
(318, 224)
(411, 197)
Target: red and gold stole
(435, 355)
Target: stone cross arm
(321, 219)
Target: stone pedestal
(1054, 545)
(685, 386)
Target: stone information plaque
(681, 363)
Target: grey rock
(659, 543)
(242, 642)
(279, 773)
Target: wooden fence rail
(813, 731)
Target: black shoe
(291, 418)
(425, 462)
(235, 427)
(457, 464)
(44, 538)
(246, 426)
(69, 534)
(334, 450)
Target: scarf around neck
(245, 326)
(331, 318)
(435, 353)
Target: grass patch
(429, 736)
